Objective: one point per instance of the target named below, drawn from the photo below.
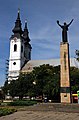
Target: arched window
(15, 48)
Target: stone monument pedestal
(64, 73)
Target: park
(46, 92)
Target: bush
(22, 103)
(6, 111)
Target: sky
(44, 32)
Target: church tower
(20, 49)
(27, 46)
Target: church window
(15, 48)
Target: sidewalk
(35, 115)
(45, 112)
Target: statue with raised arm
(64, 30)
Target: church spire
(17, 30)
(26, 24)
(26, 33)
(18, 17)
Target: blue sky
(44, 32)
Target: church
(20, 53)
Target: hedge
(22, 103)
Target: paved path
(45, 112)
(36, 115)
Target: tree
(21, 86)
(1, 94)
(47, 82)
(46, 79)
(5, 88)
(74, 77)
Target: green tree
(5, 88)
(47, 80)
(21, 86)
(74, 77)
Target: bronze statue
(64, 30)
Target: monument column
(64, 73)
(65, 65)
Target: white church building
(20, 53)
(20, 49)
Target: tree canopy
(74, 78)
(43, 81)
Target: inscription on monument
(65, 60)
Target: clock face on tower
(15, 39)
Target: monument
(65, 94)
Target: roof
(54, 62)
